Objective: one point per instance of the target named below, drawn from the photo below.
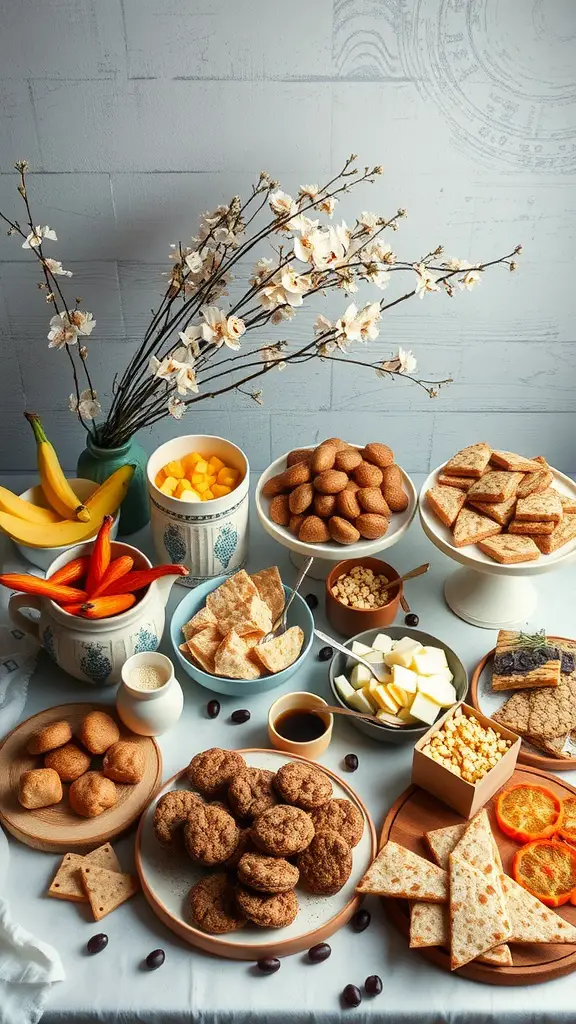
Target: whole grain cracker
(446, 503)
(282, 651)
(531, 921)
(538, 481)
(568, 504)
(67, 882)
(478, 917)
(470, 461)
(515, 713)
(203, 646)
(564, 532)
(269, 586)
(397, 872)
(513, 462)
(232, 659)
(495, 486)
(430, 926)
(106, 890)
(500, 511)
(442, 842)
(530, 529)
(544, 507)
(461, 482)
(508, 549)
(553, 709)
(470, 528)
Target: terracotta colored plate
(166, 880)
(487, 701)
(416, 812)
(58, 829)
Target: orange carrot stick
(45, 588)
(105, 607)
(73, 609)
(117, 568)
(72, 571)
(100, 557)
(143, 577)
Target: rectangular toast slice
(509, 549)
(470, 461)
(546, 674)
(495, 486)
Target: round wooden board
(166, 880)
(58, 829)
(416, 812)
(528, 754)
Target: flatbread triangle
(397, 872)
(430, 926)
(530, 920)
(446, 503)
(478, 919)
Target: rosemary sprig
(533, 641)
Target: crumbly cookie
(251, 792)
(212, 771)
(51, 736)
(98, 731)
(283, 831)
(341, 816)
(170, 814)
(274, 911)
(68, 761)
(326, 865)
(210, 834)
(40, 787)
(210, 904)
(244, 845)
(92, 794)
(125, 762)
(303, 785)
(267, 874)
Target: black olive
(240, 716)
(351, 762)
(373, 985)
(352, 995)
(155, 959)
(97, 943)
(213, 708)
(269, 965)
(325, 653)
(412, 619)
(311, 600)
(320, 952)
(361, 920)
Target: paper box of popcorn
(464, 759)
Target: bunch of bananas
(67, 520)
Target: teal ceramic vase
(98, 463)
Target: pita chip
(232, 659)
(397, 872)
(442, 842)
(281, 651)
(530, 920)
(478, 919)
(430, 926)
(203, 646)
(269, 586)
(237, 603)
(200, 621)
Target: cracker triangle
(500, 511)
(67, 882)
(446, 503)
(471, 461)
(538, 481)
(430, 926)
(470, 528)
(461, 482)
(478, 919)
(280, 652)
(564, 532)
(513, 462)
(511, 548)
(442, 842)
(105, 889)
(494, 487)
(531, 921)
(398, 872)
(540, 508)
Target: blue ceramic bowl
(299, 614)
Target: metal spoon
(280, 625)
(378, 668)
(385, 718)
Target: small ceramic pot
(149, 712)
(210, 537)
(304, 701)
(348, 621)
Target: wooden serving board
(486, 700)
(416, 812)
(58, 829)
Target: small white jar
(146, 709)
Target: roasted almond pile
(337, 492)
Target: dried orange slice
(547, 869)
(526, 813)
(567, 822)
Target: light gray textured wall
(138, 114)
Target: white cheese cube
(399, 695)
(405, 678)
(403, 652)
(438, 690)
(446, 674)
(385, 716)
(357, 648)
(424, 709)
(360, 676)
(359, 702)
(429, 661)
(369, 697)
(406, 716)
(344, 689)
(384, 700)
(382, 643)
(374, 657)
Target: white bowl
(43, 557)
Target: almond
(330, 482)
(336, 443)
(371, 499)
(295, 524)
(279, 510)
(367, 475)
(275, 485)
(371, 526)
(324, 505)
(342, 531)
(301, 497)
(347, 459)
(323, 458)
(347, 505)
(313, 530)
(297, 455)
(391, 477)
(396, 499)
(297, 474)
(379, 454)
(352, 486)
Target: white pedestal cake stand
(325, 555)
(484, 592)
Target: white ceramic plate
(167, 878)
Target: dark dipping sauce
(300, 726)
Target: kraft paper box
(462, 796)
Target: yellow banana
(16, 506)
(105, 501)
(56, 488)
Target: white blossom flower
(302, 223)
(55, 267)
(381, 251)
(312, 244)
(194, 262)
(262, 269)
(367, 319)
(173, 370)
(325, 348)
(455, 264)
(322, 324)
(426, 281)
(274, 354)
(285, 312)
(35, 237)
(374, 273)
(62, 332)
(294, 285)
(469, 280)
(407, 360)
(327, 206)
(368, 221)
(346, 280)
(282, 204)
(82, 321)
(189, 338)
(309, 191)
(224, 236)
(218, 329)
(88, 406)
(176, 407)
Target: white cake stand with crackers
(326, 554)
(483, 592)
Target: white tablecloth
(191, 986)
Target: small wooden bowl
(348, 621)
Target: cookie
(275, 911)
(283, 831)
(303, 785)
(68, 761)
(251, 792)
(92, 794)
(267, 874)
(210, 834)
(125, 762)
(98, 731)
(40, 787)
(326, 865)
(48, 738)
(170, 814)
(244, 845)
(212, 771)
(341, 816)
(211, 905)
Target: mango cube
(201, 485)
(160, 478)
(215, 464)
(169, 485)
(201, 466)
(207, 495)
(190, 495)
(197, 477)
(222, 473)
(219, 490)
(189, 461)
(175, 468)
(181, 486)
(211, 478)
